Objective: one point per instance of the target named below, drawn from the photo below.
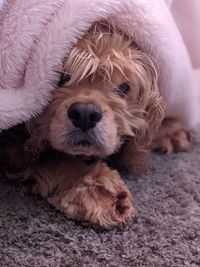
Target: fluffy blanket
(36, 34)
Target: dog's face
(111, 95)
(93, 117)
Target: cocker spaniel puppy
(107, 108)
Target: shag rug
(165, 231)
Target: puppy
(107, 106)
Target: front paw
(99, 200)
(114, 207)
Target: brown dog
(108, 105)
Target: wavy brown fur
(98, 65)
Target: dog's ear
(37, 142)
(133, 155)
(149, 100)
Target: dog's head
(108, 93)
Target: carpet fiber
(165, 232)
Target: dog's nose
(84, 115)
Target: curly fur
(97, 65)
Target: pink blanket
(36, 34)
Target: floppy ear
(150, 101)
(133, 156)
(38, 130)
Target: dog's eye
(64, 78)
(123, 89)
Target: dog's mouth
(85, 148)
(85, 143)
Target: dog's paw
(114, 207)
(123, 205)
(102, 201)
(172, 137)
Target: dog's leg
(131, 159)
(99, 197)
(172, 137)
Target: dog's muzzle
(84, 116)
(85, 133)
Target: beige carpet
(165, 232)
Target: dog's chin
(85, 148)
(90, 143)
